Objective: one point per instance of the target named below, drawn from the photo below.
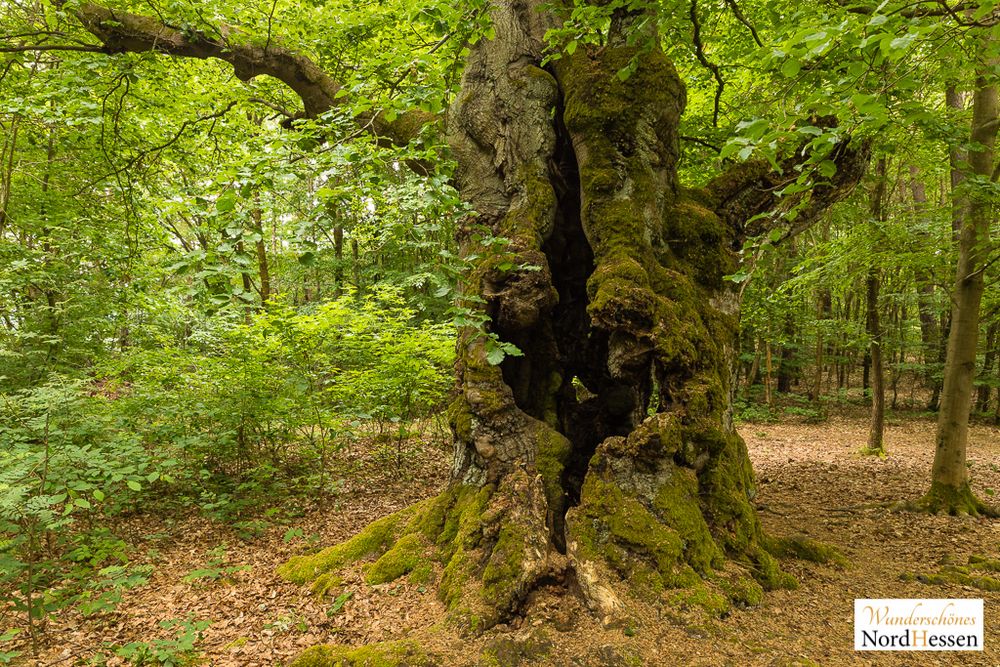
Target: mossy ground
(981, 572)
(804, 548)
(403, 653)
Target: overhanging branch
(747, 195)
(124, 32)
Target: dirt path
(806, 472)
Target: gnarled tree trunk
(607, 451)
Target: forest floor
(812, 481)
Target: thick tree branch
(123, 32)
(746, 196)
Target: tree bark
(989, 359)
(877, 426)
(949, 476)
(930, 334)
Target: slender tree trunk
(949, 476)
(7, 159)
(338, 253)
(263, 270)
(989, 358)
(877, 426)
(753, 377)
(787, 364)
(930, 334)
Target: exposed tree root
(492, 542)
(849, 509)
(973, 574)
(804, 548)
(947, 499)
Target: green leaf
(495, 355)
(134, 485)
(791, 68)
(339, 602)
(226, 202)
(98, 495)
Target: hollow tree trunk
(560, 470)
(949, 476)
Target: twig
(703, 59)
(743, 19)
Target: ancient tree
(606, 453)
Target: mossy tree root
(384, 654)
(492, 542)
(804, 548)
(956, 501)
(640, 530)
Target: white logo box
(918, 625)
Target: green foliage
(215, 568)
(176, 651)
(66, 457)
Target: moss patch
(804, 548)
(386, 654)
(405, 556)
(374, 539)
(979, 574)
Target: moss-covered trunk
(604, 457)
(613, 288)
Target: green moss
(325, 583)
(386, 654)
(460, 418)
(550, 460)
(984, 563)
(372, 540)
(698, 597)
(459, 541)
(767, 571)
(404, 557)
(619, 530)
(803, 548)
(952, 575)
(963, 575)
(677, 501)
(743, 591)
(500, 576)
(944, 498)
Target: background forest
(216, 307)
